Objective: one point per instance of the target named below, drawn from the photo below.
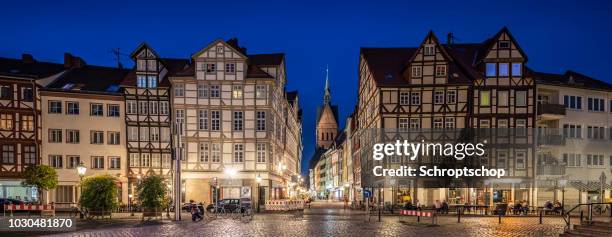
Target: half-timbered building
(148, 114)
(20, 120)
(239, 124)
(438, 87)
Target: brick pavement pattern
(330, 225)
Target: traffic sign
(367, 193)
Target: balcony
(549, 165)
(550, 112)
(550, 169)
(551, 140)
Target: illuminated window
(504, 70)
(237, 92)
(491, 70)
(485, 98)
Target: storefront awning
(588, 185)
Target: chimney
(71, 61)
(27, 58)
(449, 38)
(234, 43)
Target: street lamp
(258, 180)
(81, 169)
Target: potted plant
(99, 195)
(153, 196)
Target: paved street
(329, 219)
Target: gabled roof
(488, 43)
(433, 37)
(28, 69)
(140, 47)
(90, 78)
(388, 64)
(314, 159)
(273, 59)
(239, 51)
(570, 79)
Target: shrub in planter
(153, 194)
(99, 194)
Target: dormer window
(142, 65)
(219, 49)
(504, 70)
(491, 70)
(142, 81)
(429, 50)
(152, 66)
(504, 44)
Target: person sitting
(548, 205)
(408, 206)
(195, 212)
(517, 208)
(558, 207)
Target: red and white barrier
(417, 213)
(284, 205)
(28, 207)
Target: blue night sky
(556, 35)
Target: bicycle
(600, 209)
(247, 213)
(79, 212)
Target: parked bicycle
(78, 212)
(600, 209)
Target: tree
(99, 193)
(42, 177)
(153, 193)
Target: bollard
(540, 217)
(581, 215)
(418, 218)
(499, 215)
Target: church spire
(327, 95)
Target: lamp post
(258, 180)
(81, 169)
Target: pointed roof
(433, 37)
(141, 46)
(488, 44)
(314, 159)
(217, 41)
(326, 93)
